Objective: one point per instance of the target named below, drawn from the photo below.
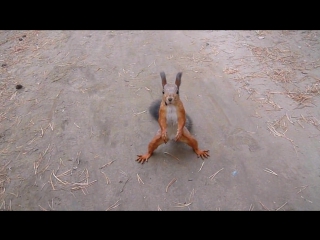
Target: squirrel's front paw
(143, 158)
(178, 135)
(203, 153)
(164, 136)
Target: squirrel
(173, 121)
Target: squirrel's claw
(203, 154)
(142, 158)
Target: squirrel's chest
(172, 119)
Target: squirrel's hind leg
(155, 142)
(192, 142)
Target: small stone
(18, 86)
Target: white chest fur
(172, 121)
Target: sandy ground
(69, 138)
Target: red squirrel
(173, 121)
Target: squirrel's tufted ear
(178, 79)
(163, 78)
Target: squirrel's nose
(170, 99)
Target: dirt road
(70, 136)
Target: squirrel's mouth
(167, 102)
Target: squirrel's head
(170, 91)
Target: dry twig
(190, 201)
(170, 183)
(281, 206)
(302, 188)
(264, 206)
(116, 204)
(106, 164)
(270, 171)
(107, 179)
(139, 179)
(213, 175)
(172, 156)
(201, 166)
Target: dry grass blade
(42, 132)
(3, 203)
(300, 97)
(106, 164)
(191, 195)
(78, 157)
(306, 199)
(183, 204)
(189, 202)
(81, 186)
(302, 188)
(51, 206)
(230, 70)
(51, 126)
(135, 114)
(172, 156)
(213, 175)
(64, 183)
(270, 171)
(45, 152)
(201, 166)
(170, 183)
(42, 208)
(280, 124)
(84, 184)
(107, 179)
(289, 118)
(282, 75)
(5, 165)
(264, 206)
(14, 194)
(64, 174)
(116, 204)
(139, 179)
(274, 131)
(281, 206)
(51, 181)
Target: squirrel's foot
(143, 158)
(202, 153)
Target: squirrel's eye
(178, 92)
(162, 92)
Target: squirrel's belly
(172, 122)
